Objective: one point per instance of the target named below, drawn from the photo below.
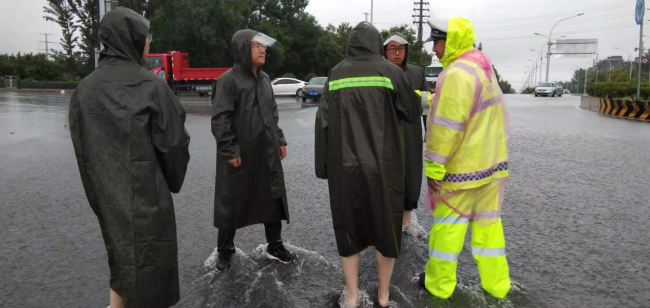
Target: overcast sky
(505, 27)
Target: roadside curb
(622, 109)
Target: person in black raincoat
(250, 146)
(396, 49)
(360, 150)
(131, 146)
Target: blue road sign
(639, 11)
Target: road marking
(303, 123)
(303, 111)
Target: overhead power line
(520, 19)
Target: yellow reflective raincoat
(467, 149)
(467, 130)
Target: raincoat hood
(365, 40)
(460, 39)
(400, 38)
(241, 46)
(123, 33)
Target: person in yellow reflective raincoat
(466, 163)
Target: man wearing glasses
(250, 185)
(396, 51)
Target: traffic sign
(639, 11)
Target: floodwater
(576, 217)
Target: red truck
(174, 67)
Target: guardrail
(635, 110)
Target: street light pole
(548, 52)
(638, 82)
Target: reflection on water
(257, 280)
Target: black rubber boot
(278, 251)
(224, 261)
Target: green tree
(204, 28)
(87, 21)
(60, 12)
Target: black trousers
(226, 241)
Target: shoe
(224, 261)
(277, 250)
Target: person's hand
(283, 152)
(235, 162)
(434, 185)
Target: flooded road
(576, 217)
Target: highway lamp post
(550, 43)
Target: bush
(310, 76)
(529, 90)
(289, 75)
(617, 89)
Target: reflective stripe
(377, 81)
(453, 219)
(436, 158)
(484, 105)
(444, 256)
(489, 252)
(449, 123)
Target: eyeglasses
(150, 38)
(394, 49)
(259, 46)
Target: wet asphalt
(576, 217)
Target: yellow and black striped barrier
(635, 110)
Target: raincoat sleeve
(281, 139)
(321, 134)
(407, 102)
(452, 112)
(223, 106)
(170, 138)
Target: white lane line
(303, 123)
(305, 110)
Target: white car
(288, 86)
(549, 89)
(431, 73)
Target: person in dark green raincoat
(360, 150)
(396, 48)
(249, 186)
(131, 146)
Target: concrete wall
(635, 110)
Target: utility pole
(420, 12)
(47, 45)
(372, 10)
(366, 16)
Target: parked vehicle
(288, 86)
(180, 76)
(431, 73)
(314, 89)
(549, 89)
(566, 91)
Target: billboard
(576, 48)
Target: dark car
(314, 89)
